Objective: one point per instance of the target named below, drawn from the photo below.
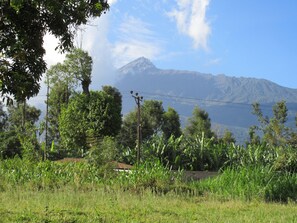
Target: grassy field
(102, 205)
(81, 192)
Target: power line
(188, 100)
(194, 100)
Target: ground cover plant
(82, 192)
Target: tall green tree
(62, 80)
(152, 112)
(116, 112)
(154, 120)
(228, 137)
(199, 124)
(128, 133)
(58, 76)
(274, 130)
(87, 119)
(23, 25)
(78, 64)
(293, 136)
(151, 122)
(16, 112)
(18, 132)
(57, 99)
(73, 126)
(171, 124)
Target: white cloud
(92, 38)
(134, 49)
(111, 2)
(52, 56)
(95, 41)
(191, 20)
(136, 39)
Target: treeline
(89, 124)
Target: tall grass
(46, 175)
(252, 183)
(55, 175)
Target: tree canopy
(274, 130)
(23, 24)
(87, 119)
(199, 123)
(171, 125)
(154, 120)
(78, 64)
(18, 129)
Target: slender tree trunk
(85, 86)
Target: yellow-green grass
(106, 205)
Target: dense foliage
(19, 128)
(199, 123)
(154, 120)
(23, 25)
(62, 79)
(87, 119)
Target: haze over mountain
(227, 99)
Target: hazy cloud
(190, 17)
(136, 39)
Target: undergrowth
(254, 182)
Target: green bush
(283, 187)
(252, 183)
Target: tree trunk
(85, 86)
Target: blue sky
(242, 38)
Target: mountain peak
(139, 65)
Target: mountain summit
(142, 74)
(139, 65)
(227, 99)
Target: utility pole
(138, 99)
(24, 115)
(46, 119)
